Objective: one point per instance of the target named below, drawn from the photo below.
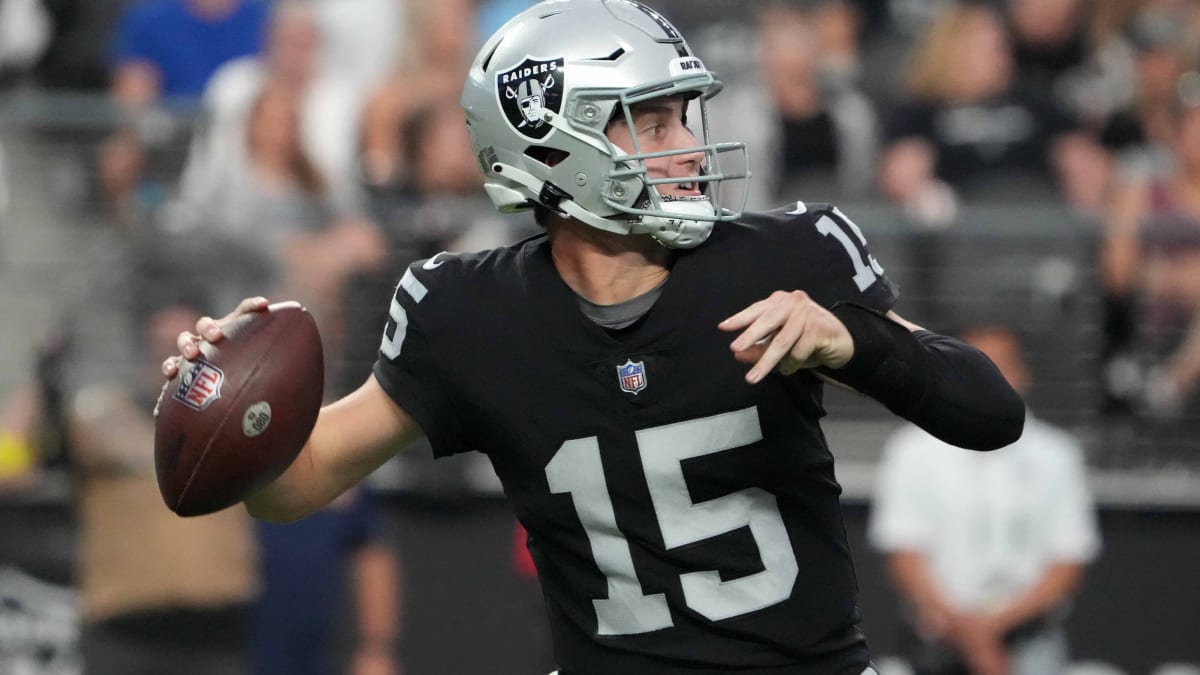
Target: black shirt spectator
(981, 142)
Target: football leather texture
(236, 417)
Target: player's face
(660, 125)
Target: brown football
(238, 415)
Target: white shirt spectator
(25, 28)
(361, 39)
(328, 123)
(988, 524)
(746, 111)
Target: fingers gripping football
(241, 407)
(788, 331)
(208, 329)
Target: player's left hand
(787, 332)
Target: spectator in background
(436, 55)
(1107, 84)
(77, 57)
(361, 39)
(1050, 45)
(32, 435)
(329, 106)
(168, 49)
(440, 205)
(174, 597)
(126, 190)
(165, 51)
(1150, 264)
(20, 413)
(969, 131)
(269, 199)
(25, 32)
(809, 129)
(297, 623)
(837, 29)
(1140, 132)
(986, 549)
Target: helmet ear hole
(549, 156)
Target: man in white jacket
(986, 548)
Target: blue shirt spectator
(305, 567)
(185, 41)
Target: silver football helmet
(543, 89)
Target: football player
(646, 375)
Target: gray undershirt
(622, 314)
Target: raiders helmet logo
(528, 89)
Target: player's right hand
(208, 329)
(787, 332)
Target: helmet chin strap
(673, 228)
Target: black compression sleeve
(942, 385)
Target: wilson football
(236, 417)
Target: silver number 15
(576, 469)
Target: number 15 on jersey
(576, 469)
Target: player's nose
(690, 156)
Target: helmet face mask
(559, 74)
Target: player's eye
(654, 130)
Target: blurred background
(1029, 163)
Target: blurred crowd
(324, 146)
(323, 149)
(324, 143)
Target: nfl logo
(200, 385)
(632, 376)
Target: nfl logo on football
(200, 386)
(632, 376)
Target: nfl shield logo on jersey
(632, 376)
(200, 385)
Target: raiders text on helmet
(542, 91)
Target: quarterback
(646, 375)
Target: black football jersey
(680, 518)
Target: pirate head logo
(527, 90)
